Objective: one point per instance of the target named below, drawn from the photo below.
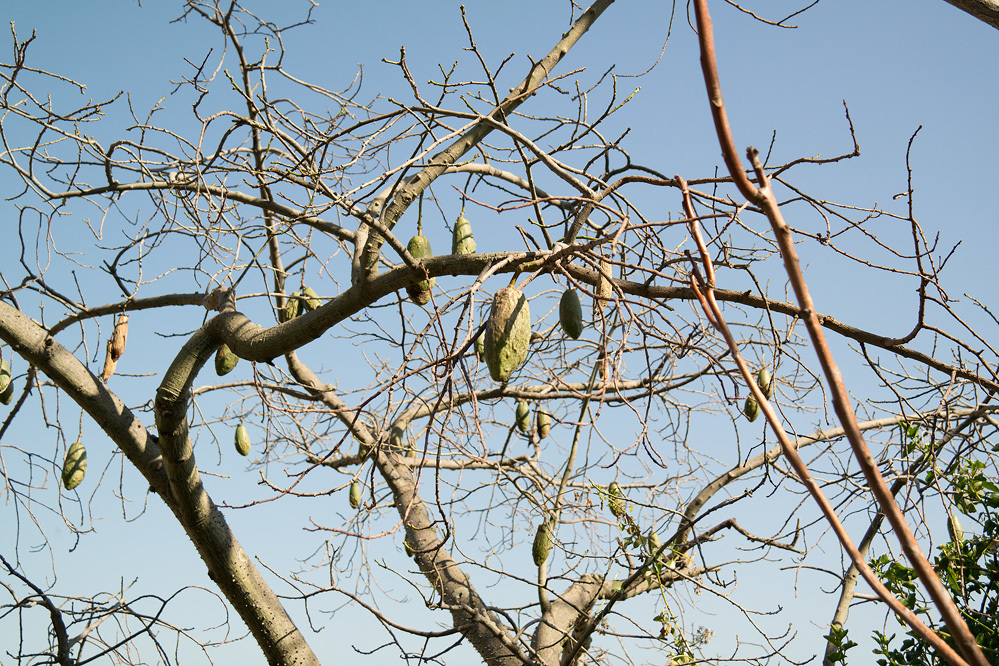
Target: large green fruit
(544, 423)
(751, 409)
(508, 333)
(419, 292)
(523, 417)
(242, 440)
(542, 543)
(570, 314)
(312, 301)
(74, 467)
(462, 242)
(225, 360)
(355, 494)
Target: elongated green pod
(355, 494)
(544, 422)
(765, 382)
(542, 543)
(419, 292)
(523, 417)
(508, 333)
(480, 347)
(615, 499)
(570, 314)
(954, 528)
(4, 375)
(751, 408)
(74, 467)
(291, 307)
(242, 440)
(462, 242)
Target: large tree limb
(986, 11)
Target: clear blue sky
(898, 64)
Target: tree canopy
(463, 364)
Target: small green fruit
(570, 314)
(4, 375)
(615, 499)
(751, 408)
(291, 307)
(544, 421)
(312, 301)
(419, 292)
(355, 494)
(508, 333)
(242, 440)
(765, 382)
(954, 528)
(542, 543)
(225, 360)
(7, 394)
(462, 241)
(523, 417)
(74, 467)
(480, 347)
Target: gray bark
(986, 11)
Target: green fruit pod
(765, 382)
(508, 333)
(523, 417)
(615, 499)
(242, 440)
(751, 409)
(653, 544)
(570, 314)
(74, 467)
(954, 528)
(311, 301)
(542, 543)
(480, 347)
(4, 375)
(225, 360)
(462, 242)
(7, 394)
(544, 421)
(355, 494)
(419, 292)
(291, 307)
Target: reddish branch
(764, 198)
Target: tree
(284, 224)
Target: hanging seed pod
(119, 337)
(751, 409)
(225, 360)
(462, 242)
(355, 494)
(74, 467)
(508, 333)
(291, 307)
(765, 382)
(542, 543)
(615, 499)
(480, 347)
(419, 292)
(954, 528)
(7, 394)
(242, 440)
(570, 314)
(311, 301)
(523, 417)
(4, 375)
(544, 421)
(109, 364)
